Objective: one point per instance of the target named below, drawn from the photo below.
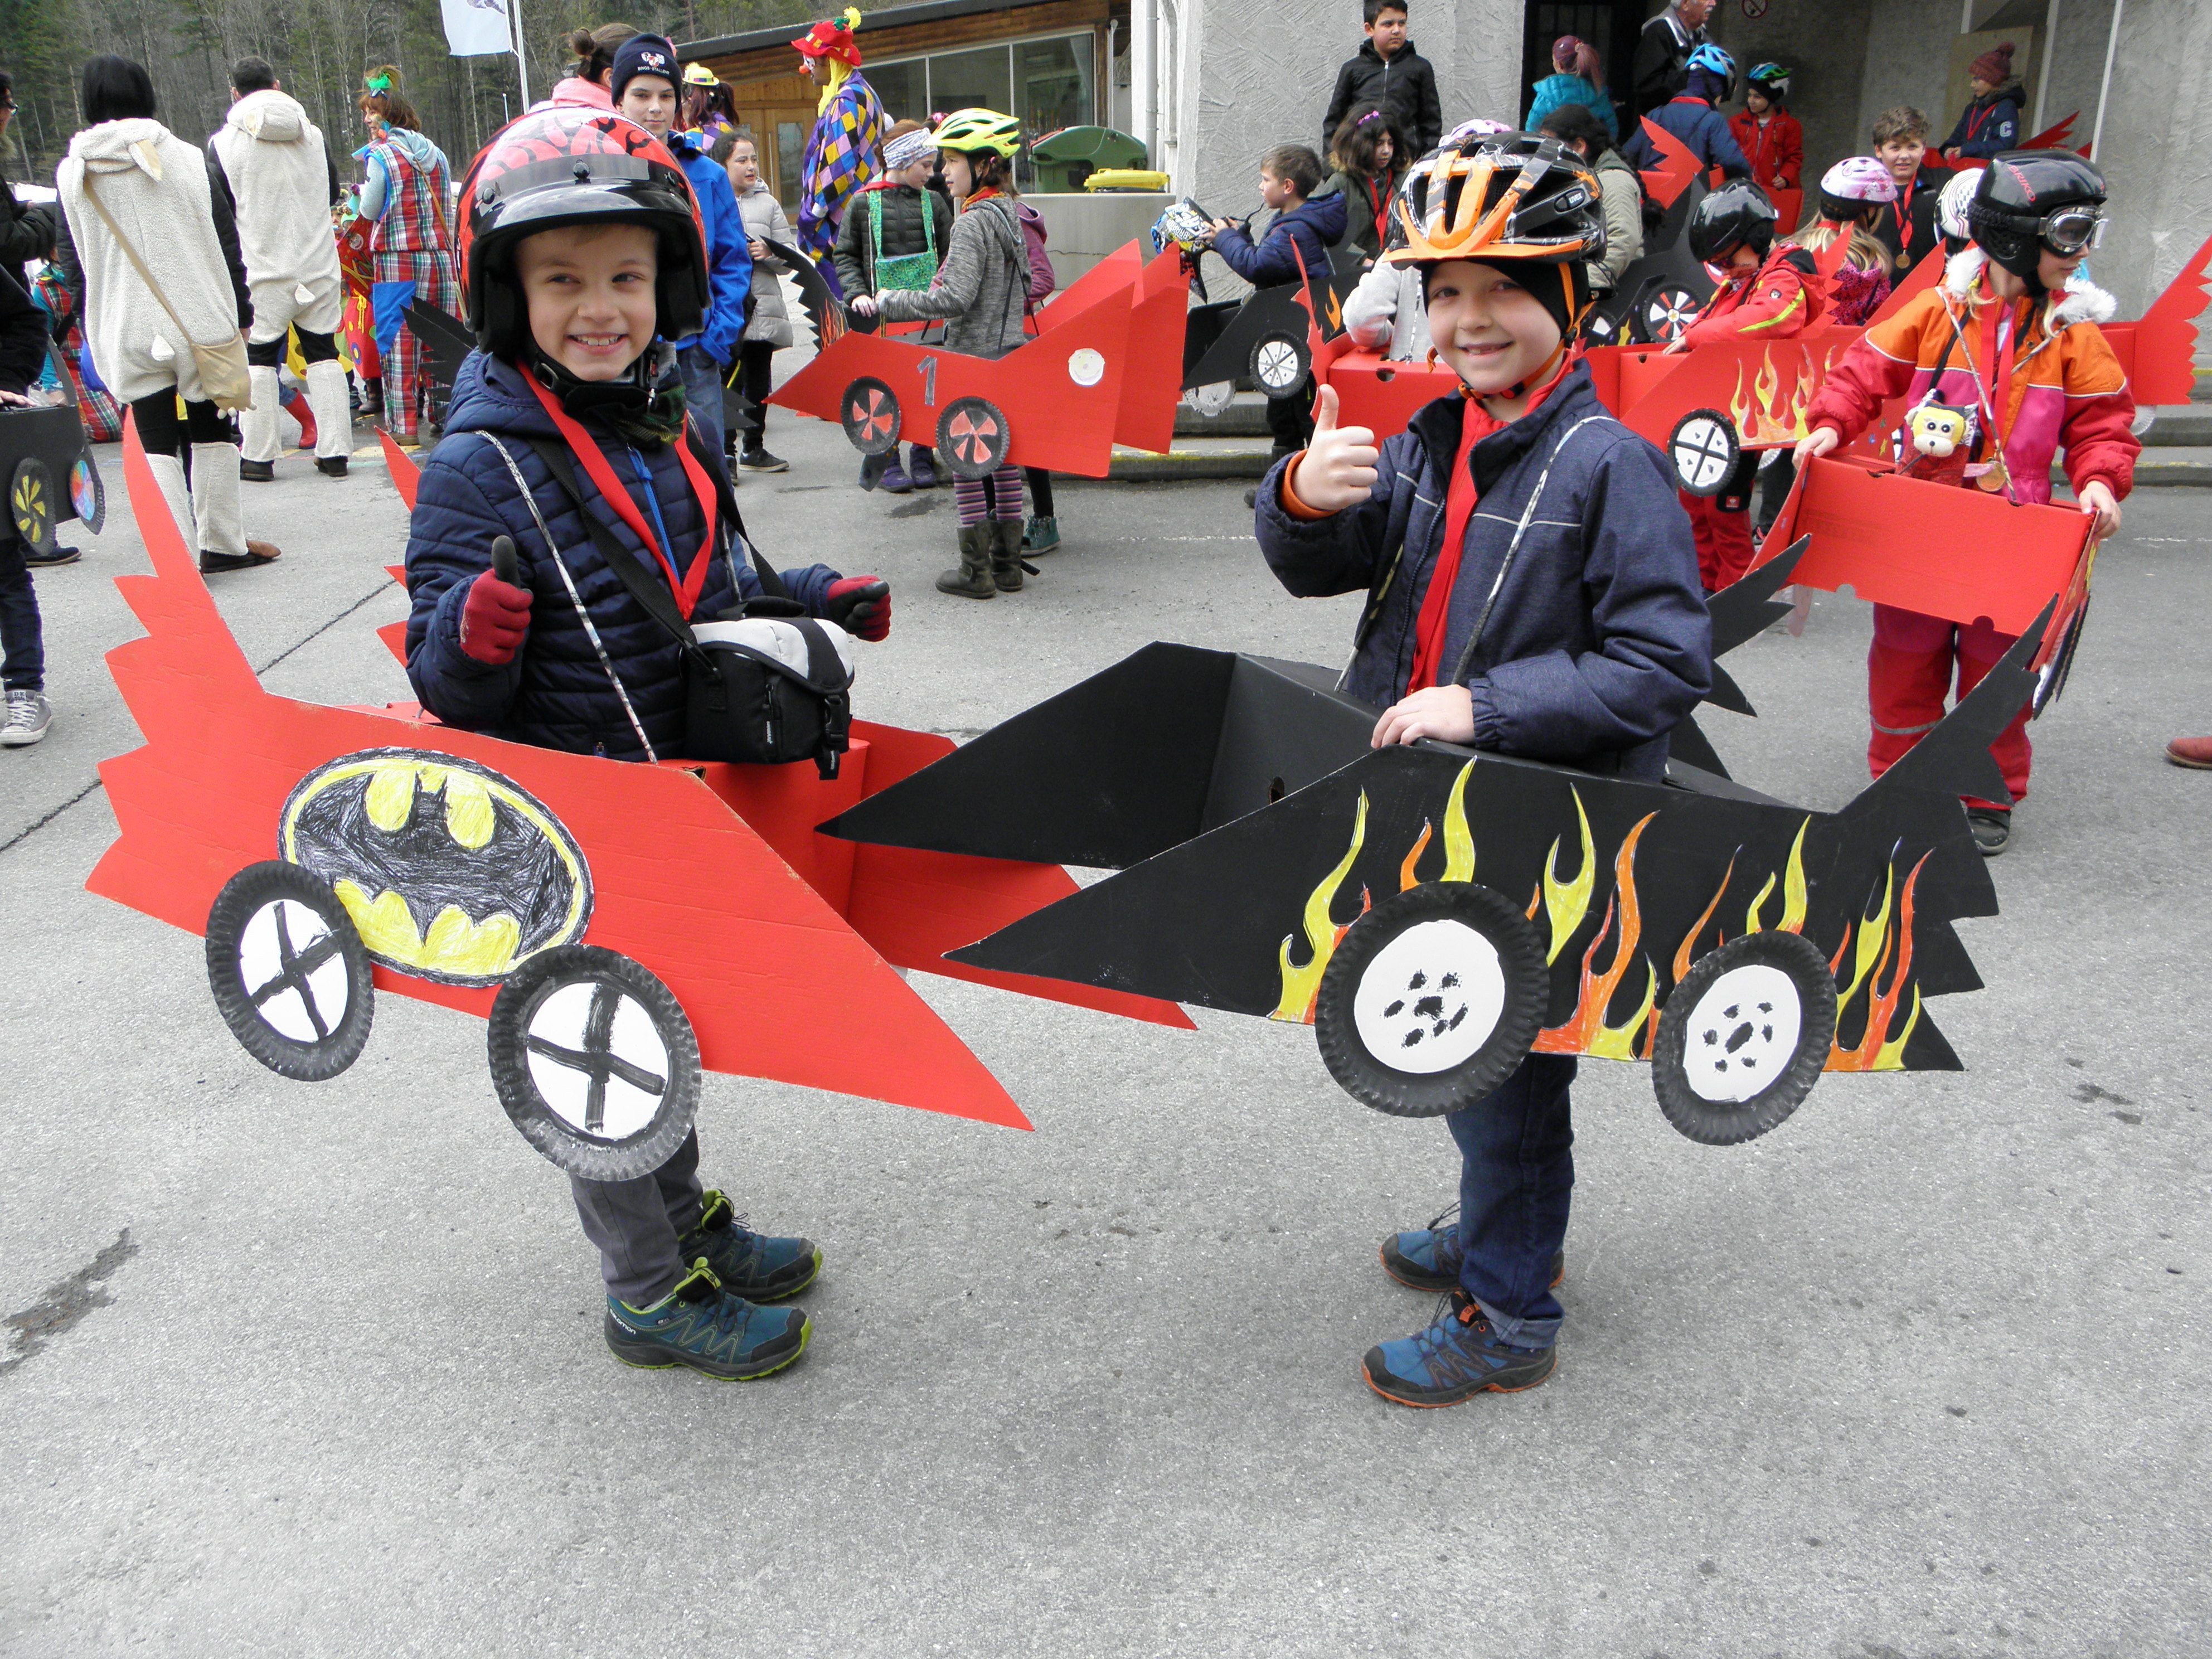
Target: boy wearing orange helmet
(1532, 590)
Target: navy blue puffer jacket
(556, 692)
(1598, 642)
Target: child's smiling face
(1493, 332)
(589, 288)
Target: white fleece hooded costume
(155, 186)
(273, 157)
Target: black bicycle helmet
(575, 166)
(2032, 199)
(1737, 215)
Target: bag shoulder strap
(131, 254)
(725, 499)
(649, 591)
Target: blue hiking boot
(748, 1264)
(1454, 1359)
(702, 1325)
(894, 480)
(1427, 1258)
(922, 466)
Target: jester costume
(845, 150)
(411, 258)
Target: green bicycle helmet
(973, 130)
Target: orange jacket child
(2038, 372)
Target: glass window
(904, 88)
(790, 164)
(1052, 82)
(971, 79)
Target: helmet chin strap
(634, 389)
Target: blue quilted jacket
(556, 692)
(1598, 641)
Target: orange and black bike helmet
(1506, 196)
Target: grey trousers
(635, 1225)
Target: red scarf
(1903, 208)
(693, 582)
(1476, 423)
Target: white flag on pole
(476, 28)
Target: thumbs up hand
(1338, 468)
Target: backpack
(1042, 278)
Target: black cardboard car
(51, 474)
(1437, 913)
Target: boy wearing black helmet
(2011, 335)
(582, 256)
(1767, 293)
(1532, 590)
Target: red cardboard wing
(1937, 549)
(1678, 165)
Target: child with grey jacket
(768, 328)
(982, 290)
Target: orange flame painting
(1762, 415)
(1585, 1030)
(1876, 1051)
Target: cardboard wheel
(87, 493)
(973, 436)
(1280, 364)
(1210, 400)
(31, 503)
(290, 973)
(1431, 1000)
(1703, 449)
(595, 1061)
(870, 414)
(1662, 316)
(1742, 1039)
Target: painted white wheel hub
(1430, 998)
(576, 1052)
(1742, 1034)
(275, 939)
(1278, 364)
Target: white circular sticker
(1742, 1033)
(1086, 366)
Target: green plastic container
(1065, 158)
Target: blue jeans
(23, 645)
(702, 391)
(1516, 1179)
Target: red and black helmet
(576, 165)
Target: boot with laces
(701, 1325)
(748, 1264)
(1455, 1358)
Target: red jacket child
(1774, 148)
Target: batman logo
(449, 871)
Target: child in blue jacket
(644, 87)
(1564, 622)
(1691, 116)
(572, 270)
(1303, 230)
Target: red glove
(495, 619)
(861, 605)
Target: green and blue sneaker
(703, 1326)
(748, 1264)
(1456, 1358)
(1428, 1258)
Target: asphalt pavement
(292, 1368)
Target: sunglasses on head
(2072, 230)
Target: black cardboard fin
(1746, 607)
(1953, 758)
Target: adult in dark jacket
(27, 230)
(571, 277)
(1661, 68)
(1693, 118)
(1989, 125)
(24, 717)
(1388, 72)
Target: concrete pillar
(2157, 152)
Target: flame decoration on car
(1882, 965)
